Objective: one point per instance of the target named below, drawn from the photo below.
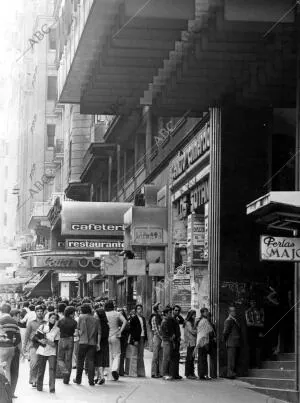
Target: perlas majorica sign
(279, 249)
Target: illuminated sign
(279, 248)
(94, 244)
(97, 227)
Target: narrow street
(132, 390)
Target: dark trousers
(232, 354)
(64, 357)
(202, 362)
(189, 362)
(124, 344)
(86, 351)
(14, 370)
(167, 353)
(175, 357)
(41, 362)
(255, 346)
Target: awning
(278, 210)
(93, 219)
(41, 287)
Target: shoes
(191, 377)
(230, 377)
(101, 381)
(168, 378)
(34, 385)
(66, 382)
(75, 381)
(92, 383)
(155, 376)
(15, 397)
(96, 380)
(178, 377)
(52, 391)
(115, 375)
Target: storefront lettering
(197, 197)
(94, 244)
(279, 248)
(96, 227)
(54, 262)
(192, 153)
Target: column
(109, 178)
(297, 188)
(148, 138)
(118, 169)
(214, 213)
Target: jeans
(202, 362)
(86, 351)
(7, 355)
(75, 353)
(175, 357)
(42, 361)
(167, 352)
(156, 366)
(33, 365)
(114, 353)
(189, 362)
(64, 357)
(14, 370)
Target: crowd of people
(103, 342)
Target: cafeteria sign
(279, 249)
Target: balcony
(105, 65)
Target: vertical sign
(197, 237)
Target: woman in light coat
(190, 334)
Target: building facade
(201, 98)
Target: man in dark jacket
(232, 338)
(168, 336)
(138, 336)
(177, 320)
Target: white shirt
(51, 335)
(142, 325)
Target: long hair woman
(47, 337)
(102, 356)
(190, 335)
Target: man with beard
(31, 329)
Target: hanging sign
(282, 249)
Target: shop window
(52, 88)
(52, 39)
(50, 135)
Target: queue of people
(98, 340)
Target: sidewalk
(139, 390)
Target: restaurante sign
(94, 244)
(279, 248)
